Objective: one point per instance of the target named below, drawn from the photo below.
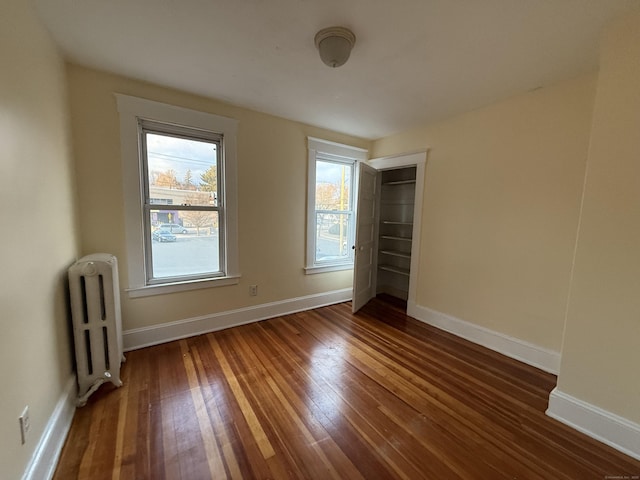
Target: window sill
(148, 290)
(328, 268)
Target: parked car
(172, 227)
(164, 236)
(334, 229)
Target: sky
(180, 154)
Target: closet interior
(395, 229)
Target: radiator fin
(83, 293)
(105, 343)
(103, 311)
(87, 348)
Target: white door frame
(419, 160)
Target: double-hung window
(182, 215)
(331, 205)
(179, 176)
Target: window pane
(184, 243)
(181, 170)
(333, 182)
(332, 237)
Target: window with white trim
(331, 205)
(179, 173)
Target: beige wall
(601, 349)
(501, 209)
(502, 196)
(272, 179)
(39, 238)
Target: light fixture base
(335, 44)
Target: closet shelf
(395, 253)
(390, 222)
(400, 182)
(391, 237)
(393, 269)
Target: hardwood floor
(326, 394)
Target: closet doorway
(388, 218)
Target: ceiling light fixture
(335, 44)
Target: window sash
(344, 255)
(327, 151)
(177, 131)
(348, 211)
(148, 247)
(336, 259)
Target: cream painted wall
(502, 196)
(601, 348)
(272, 158)
(39, 239)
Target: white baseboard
(45, 457)
(539, 357)
(604, 426)
(166, 332)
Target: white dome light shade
(335, 44)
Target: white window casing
(326, 151)
(132, 110)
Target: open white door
(363, 271)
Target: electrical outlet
(25, 424)
(253, 290)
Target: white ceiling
(414, 61)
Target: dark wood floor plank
(426, 397)
(326, 394)
(494, 411)
(274, 412)
(477, 407)
(362, 402)
(323, 407)
(313, 446)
